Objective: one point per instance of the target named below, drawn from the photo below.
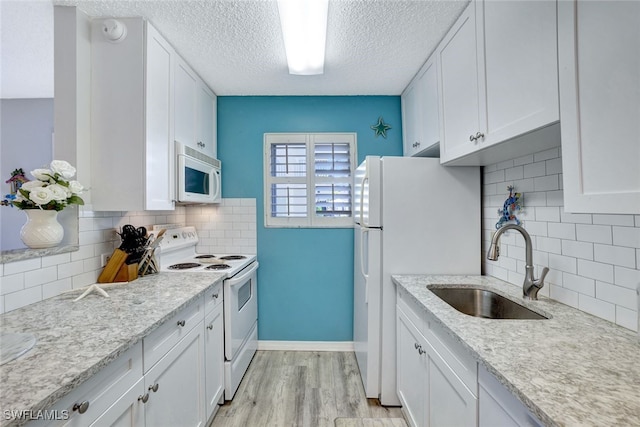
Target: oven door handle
(243, 278)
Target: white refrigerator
(412, 216)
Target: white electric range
(240, 295)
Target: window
(308, 179)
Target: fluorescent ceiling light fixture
(304, 28)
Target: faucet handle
(539, 283)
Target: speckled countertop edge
(77, 339)
(572, 369)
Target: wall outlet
(104, 259)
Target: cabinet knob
(472, 138)
(81, 407)
(214, 296)
(421, 351)
(144, 398)
(154, 387)
(416, 345)
(181, 322)
(416, 144)
(476, 137)
(210, 326)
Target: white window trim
(310, 139)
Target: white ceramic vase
(42, 229)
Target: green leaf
(75, 199)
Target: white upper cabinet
(599, 58)
(498, 81)
(131, 119)
(420, 113)
(195, 109)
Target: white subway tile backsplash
(577, 249)
(12, 283)
(595, 270)
(563, 295)
(623, 220)
(562, 230)
(534, 170)
(597, 307)
(84, 279)
(627, 318)
(56, 288)
(22, 266)
(70, 269)
(555, 198)
(553, 166)
(616, 294)
(40, 276)
(575, 218)
(514, 173)
(22, 298)
(594, 233)
(55, 259)
(627, 277)
(617, 255)
(546, 183)
(626, 236)
(546, 155)
(579, 284)
(548, 214)
(594, 259)
(563, 263)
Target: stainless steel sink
(483, 303)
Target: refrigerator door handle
(365, 178)
(363, 232)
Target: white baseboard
(306, 345)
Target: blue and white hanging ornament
(510, 208)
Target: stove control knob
(184, 234)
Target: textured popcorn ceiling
(374, 47)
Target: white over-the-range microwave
(198, 176)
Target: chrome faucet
(531, 286)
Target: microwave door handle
(216, 185)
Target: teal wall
(305, 280)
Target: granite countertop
(572, 369)
(76, 339)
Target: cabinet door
(598, 47)
(127, 411)
(410, 119)
(430, 105)
(458, 80)
(186, 94)
(498, 407)
(214, 359)
(451, 403)
(159, 148)
(411, 370)
(206, 109)
(517, 41)
(179, 377)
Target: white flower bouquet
(52, 189)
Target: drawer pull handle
(144, 398)
(476, 137)
(154, 387)
(81, 407)
(210, 326)
(181, 323)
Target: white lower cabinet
(174, 377)
(498, 407)
(175, 385)
(436, 382)
(214, 357)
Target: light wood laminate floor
(300, 388)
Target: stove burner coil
(184, 266)
(206, 256)
(232, 257)
(218, 267)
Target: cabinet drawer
(100, 391)
(412, 310)
(453, 354)
(212, 298)
(160, 341)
